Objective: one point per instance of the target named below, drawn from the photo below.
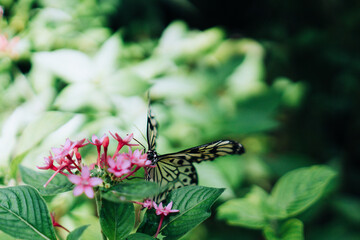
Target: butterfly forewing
(208, 152)
(152, 127)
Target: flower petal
(78, 190)
(85, 172)
(111, 163)
(94, 138)
(75, 179)
(89, 191)
(169, 206)
(95, 181)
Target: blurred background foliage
(280, 77)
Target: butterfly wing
(207, 152)
(177, 168)
(172, 172)
(152, 128)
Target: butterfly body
(177, 168)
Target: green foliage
(289, 230)
(292, 194)
(299, 189)
(248, 211)
(24, 214)
(84, 67)
(193, 203)
(76, 234)
(117, 219)
(37, 179)
(139, 236)
(132, 190)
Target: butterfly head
(152, 156)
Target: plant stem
(160, 223)
(98, 207)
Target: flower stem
(160, 223)
(51, 178)
(131, 173)
(98, 207)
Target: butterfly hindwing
(172, 172)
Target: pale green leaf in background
(299, 189)
(292, 229)
(76, 234)
(40, 128)
(247, 211)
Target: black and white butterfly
(176, 169)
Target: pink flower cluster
(66, 159)
(124, 162)
(163, 211)
(159, 210)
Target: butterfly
(176, 170)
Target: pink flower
(120, 166)
(147, 203)
(98, 142)
(80, 143)
(84, 183)
(139, 159)
(7, 47)
(123, 142)
(49, 164)
(64, 150)
(103, 141)
(163, 211)
(160, 210)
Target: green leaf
(292, 229)
(36, 179)
(139, 236)
(193, 203)
(15, 163)
(76, 234)
(298, 190)
(6, 236)
(71, 65)
(132, 190)
(24, 214)
(349, 207)
(247, 211)
(117, 219)
(34, 133)
(39, 129)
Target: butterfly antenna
(139, 143)
(140, 132)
